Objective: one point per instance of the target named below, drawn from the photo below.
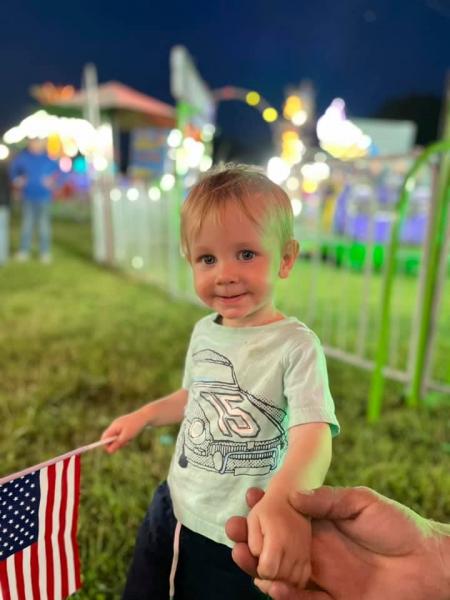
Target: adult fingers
(280, 590)
(253, 496)
(236, 529)
(333, 503)
(244, 559)
(300, 573)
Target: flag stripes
(48, 568)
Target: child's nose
(226, 273)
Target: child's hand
(48, 182)
(125, 428)
(281, 540)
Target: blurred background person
(5, 201)
(35, 175)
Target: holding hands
(280, 538)
(364, 547)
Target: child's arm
(165, 411)
(275, 530)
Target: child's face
(235, 268)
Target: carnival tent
(126, 107)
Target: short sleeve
(306, 384)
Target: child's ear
(288, 258)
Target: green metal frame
(437, 240)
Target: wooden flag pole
(52, 461)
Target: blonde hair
(244, 187)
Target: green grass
(80, 344)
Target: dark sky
(365, 51)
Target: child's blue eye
(207, 259)
(246, 254)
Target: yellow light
(309, 186)
(289, 136)
(253, 98)
(54, 147)
(292, 148)
(270, 115)
(293, 105)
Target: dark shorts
(205, 568)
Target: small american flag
(38, 527)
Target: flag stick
(52, 461)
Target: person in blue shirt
(35, 174)
(5, 201)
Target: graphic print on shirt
(226, 429)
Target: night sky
(364, 51)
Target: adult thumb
(333, 503)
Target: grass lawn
(80, 344)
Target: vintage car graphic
(222, 424)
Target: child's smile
(235, 270)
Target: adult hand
(364, 547)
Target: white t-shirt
(247, 386)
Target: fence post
(377, 385)
(438, 230)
